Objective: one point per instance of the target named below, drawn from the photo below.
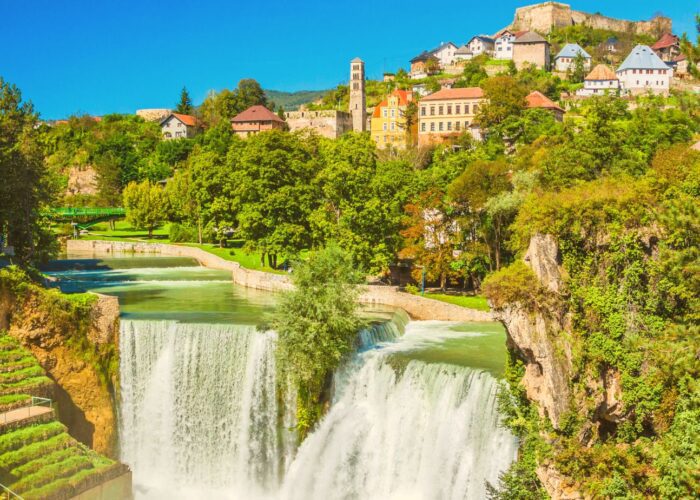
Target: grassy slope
(468, 301)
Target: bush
(515, 284)
(180, 233)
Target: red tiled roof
(666, 40)
(601, 72)
(188, 120)
(537, 99)
(405, 96)
(256, 114)
(466, 93)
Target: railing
(85, 212)
(8, 494)
(18, 413)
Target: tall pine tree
(185, 105)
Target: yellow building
(389, 127)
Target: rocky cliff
(75, 341)
(542, 17)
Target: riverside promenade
(417, 307)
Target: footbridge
(84, 217)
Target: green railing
(69, 212)
(17, 414)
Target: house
(611, 45)
(463, 53)
(668, 47)
(531, 49)
(481, 44)
(445, 53)
(254, 120)
(564, 60)
(326, 123)
(178, 126)
(537, 99)
(503, 45)
(447, 113)
(389, 126)
(680, 66)
(388, 77)
(602, 80)
(423, 65)
(643, 71)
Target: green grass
(18, 438)
(469, 301)
(34, 451)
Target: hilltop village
(438, 98)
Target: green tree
(506, 97)
(185, 106)
(145, 205)
(578, 71)
(27, 186)
(317, 325)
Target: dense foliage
(317, 325)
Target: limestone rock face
(543, 258)
(556, 484)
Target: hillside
(292, 100)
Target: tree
(185, 105)
(317, 325)
(506, 97)
(224, 105)
(145, 205)
(578, 71)
(26, 185)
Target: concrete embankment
(417, 307)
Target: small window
(384, 126)
(449, 109)
(457, 109)
(422, 110)
(466, 109)
(456, 125)
(384, 112)
(449, 125)
(422, 127)
(432, 127)
(475, 108)
(432, 110)
(393, 126)
(440, 110)
(440, 126)
(393, 113)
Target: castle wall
(327, 123)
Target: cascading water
(199, 412)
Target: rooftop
(572, 50)
(445, 94)
(642, 57)
(530, 37)
(404, 98)
(537, 99)
(601, 72)
(666, 40)
(256, 114)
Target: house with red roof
(179, 126)
(537, 99)
(254, 120)
(447, 113)
(668, 47)
(390, 125)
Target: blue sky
(98, 56)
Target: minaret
(358, 108)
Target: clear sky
(100, 56)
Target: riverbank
(417, 307)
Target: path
(23, 413)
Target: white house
(503, 45)
(602, 80)
(564, 60)
(644, 71)
(178, 126)
(481, 44)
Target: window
(432, 127)
(456, 125)
(457, 109)
(385, 138)
(466, 109)
(440, 126)
(441, 110)
(384, 112)
(356, 67)
(393, 126)
(393, 113)
(376, 138)
(449, 109)
(422, 127)
(384, 126)
(449, 125)
(466, 124)
(422, 110)
(475, 108)
(432, 110)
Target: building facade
(643, 71)
(448, 113)
(254, 120)
(566, 58)
(503, 45)
(358, 107)
(390, 124)
(178, 126)
(668, 47)
(537, 99)
(481, 44)
(327, 123)
(531, 49)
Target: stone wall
(327, 123)
(417, 307)
(543, 16)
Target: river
(413, 413)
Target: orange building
(254, 120)
(389, 126)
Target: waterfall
(199, 412)
(200, 418)
(413, 431)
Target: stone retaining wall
(417, 307)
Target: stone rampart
(417, 307)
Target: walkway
(23, 413)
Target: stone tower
(358, 108)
